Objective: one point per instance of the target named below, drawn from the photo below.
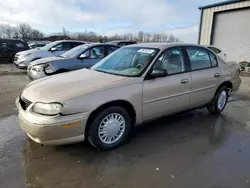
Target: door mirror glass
(159, 73)
(53, 49)
(83, 56)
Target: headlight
(37, 68)
(48, 69)
(49, 109)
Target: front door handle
(184, 81)
(216, 75)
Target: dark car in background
(9, 47)
(122, 42)
(83, 56)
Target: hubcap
(222, 100)
(111, 128)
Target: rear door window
(19, 44)
(62, 46)
(112, 49)
(199, 58)
(74, 44)
(95, 53)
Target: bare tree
(140, 36)
(171, 38)
(26, 32)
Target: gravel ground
(9, 69)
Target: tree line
(25, 32)
(21, 31)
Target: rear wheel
(219, 101)
(110, 128)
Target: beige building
(226, 25)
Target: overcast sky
(179, 17)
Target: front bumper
(53, 130)
(55, 134)
(21, 62)
(20, 66)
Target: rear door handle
(216, 75)
(184, 81)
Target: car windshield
(75, 51)
(129, 61)
(50, 45)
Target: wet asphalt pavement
(192, 149)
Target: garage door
(232, 34)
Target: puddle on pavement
(193, 149)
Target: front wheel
(219, 101)
(110, 128)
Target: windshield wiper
(99, 70)
(109, 72)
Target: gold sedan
(134, 84)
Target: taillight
(243, 62)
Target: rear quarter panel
(230, 72)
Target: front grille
(24, 103)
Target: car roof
(12, 40)
(72, 41)
(122, 41)
(161, 45)
(100, 44)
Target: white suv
(23, 59)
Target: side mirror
(159, 73)
(83, 56)
(53, 49)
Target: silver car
(24, 58)
(83, 56)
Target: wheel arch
(36, 59)
(122, 103)
(62, 70)
(228, 84)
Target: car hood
(45, 60)
(28, 51)
(61, 87)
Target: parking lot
(192, 149)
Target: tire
(214, 107)
(97, 131)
